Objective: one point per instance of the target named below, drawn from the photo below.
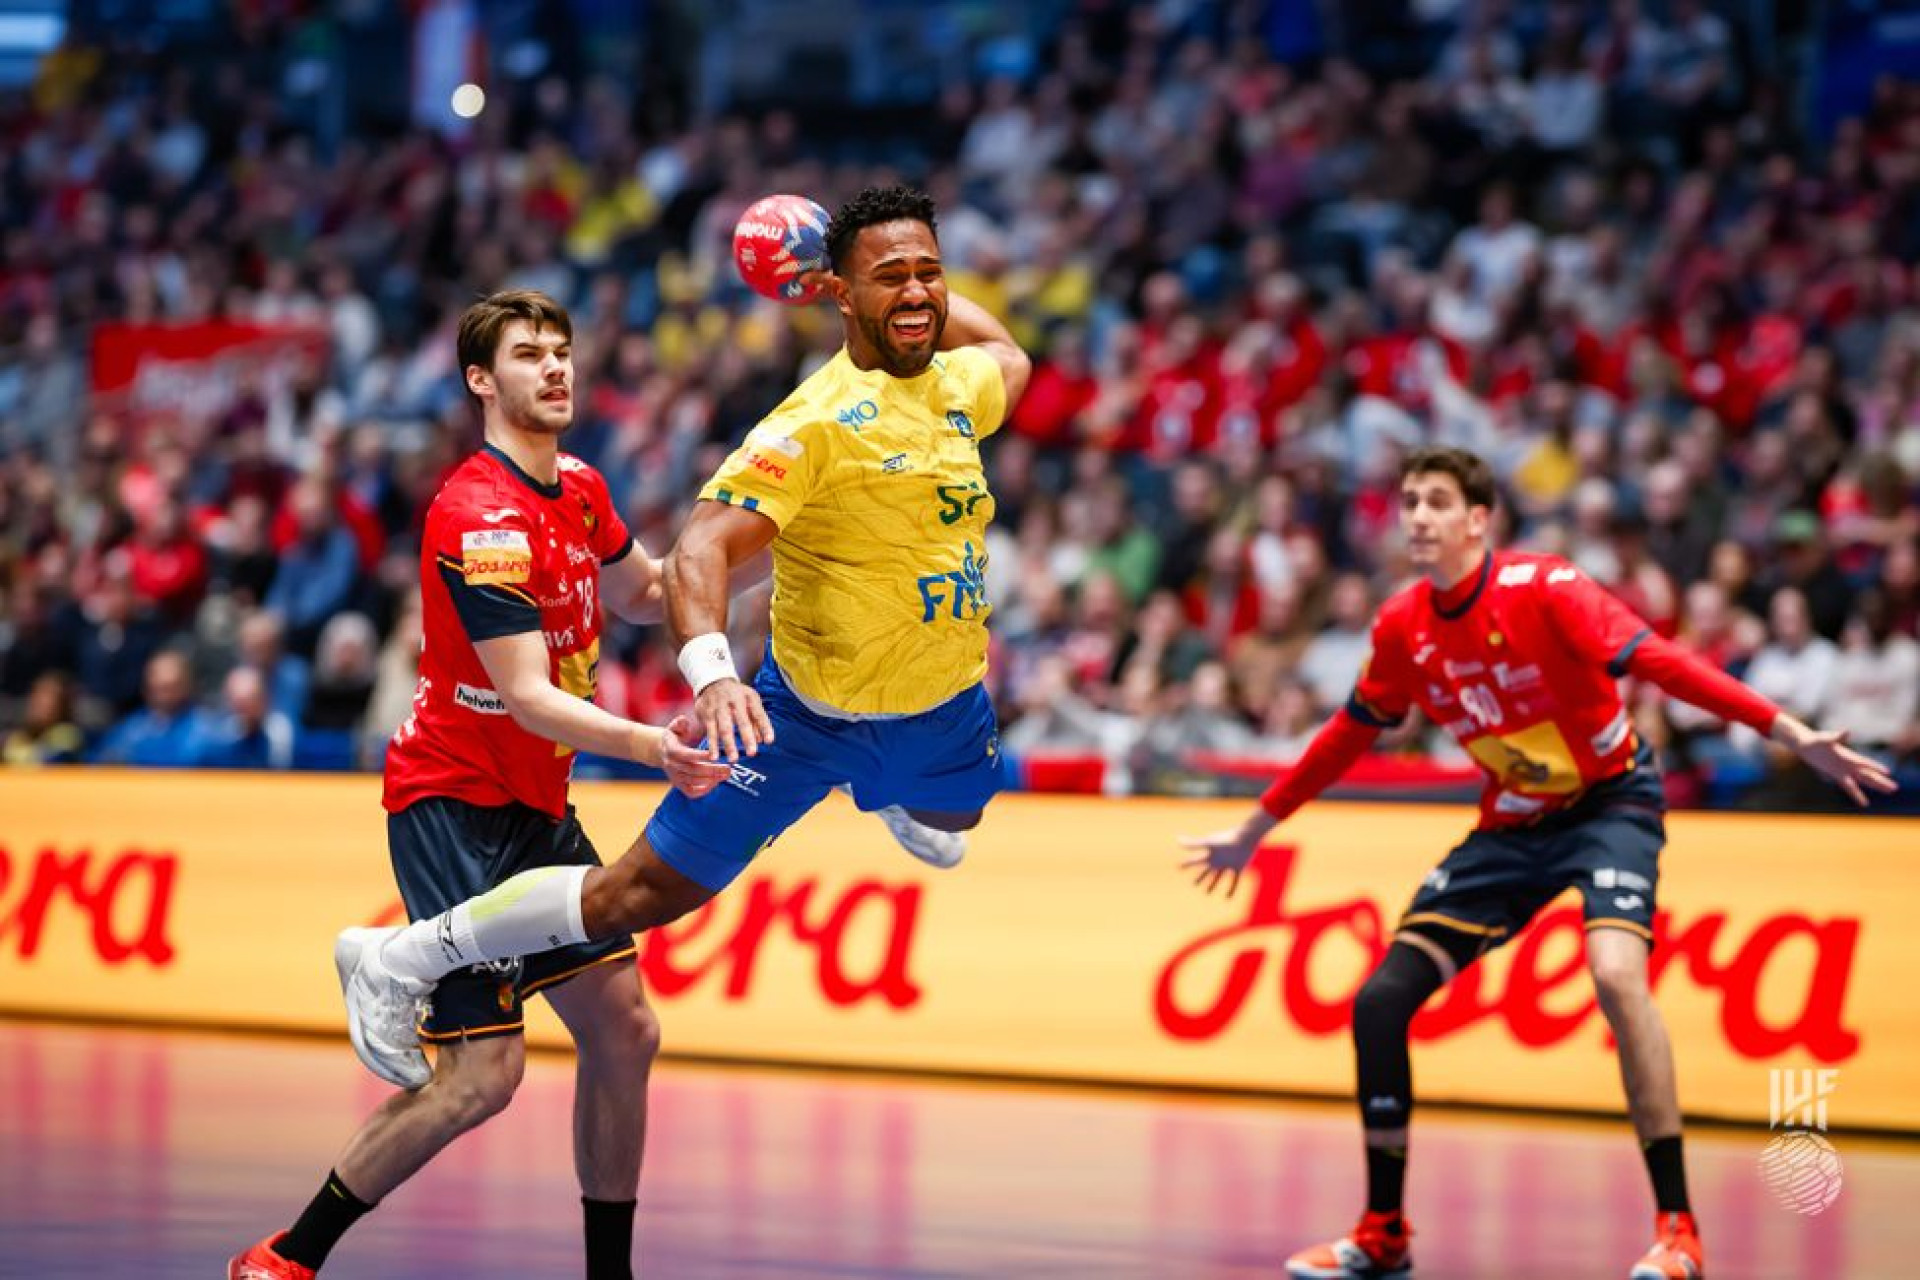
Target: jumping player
(1516, 655)
(522, 552)
(867, 485)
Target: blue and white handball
(778, 239)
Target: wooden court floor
(127, 1153)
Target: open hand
(734, 721)
(1224, 854)
(1827, 753)
(689, 766)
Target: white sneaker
(383, 1009)
(931, 845)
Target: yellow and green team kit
(879, 600)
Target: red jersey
(502, 554)
(1518, 663)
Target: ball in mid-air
(778, 239)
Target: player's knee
(480, 1090)
(1620, 982)
(1381, 1006)
(625, 898)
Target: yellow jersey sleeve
(773, 471)
(982, 386)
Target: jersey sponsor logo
(490, 556)
(1511, 677)
(495, 517)
(957, 501)
(484, 701)
(960, 422)
(1608, 740)
(578, 553)
(760, 462)
(895, 465)
(961, 593)
(1511, 803)
(1459, 670)
(561, 640)
(1567, 574)
(742, 778)
(773, 442)
(856, 415)
(1514, 575)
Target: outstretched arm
(1341, 741)
(518, 667)
(1690, 680)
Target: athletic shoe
(1676, 1252)
(262, 1263)
(383, 1009)
(1377, 1247)
(931, 845)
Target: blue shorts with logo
(445, 851)
(1606, 845)
(946, 760)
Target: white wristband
(705, 659)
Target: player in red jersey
(522, 553)
(1516, 656)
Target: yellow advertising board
(1068, 945)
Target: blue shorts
(946, 760)
(1607, 845)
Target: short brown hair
(1475, 477)
(482, 323)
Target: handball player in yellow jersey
(866, 483)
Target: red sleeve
(1694, 681)
(611, 541)
(1589, 619)
(1341, 741)
(1380, 699)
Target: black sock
(332, 1212)
(1668, 1169)
(1386, 1178)
(609, 1238)
(1384, 1007)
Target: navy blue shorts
(946, 760)
(1607, 846)
(445, 851)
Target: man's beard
(902, 364)
(527, 416)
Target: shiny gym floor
(138, 1153)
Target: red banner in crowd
(197, 370)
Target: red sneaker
(1676, 1252)
(262, 1263)
(1377, 1247)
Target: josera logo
(1205, 985)
(122, 901)
(963, 591)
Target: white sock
(534, 911)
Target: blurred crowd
(1596, 244)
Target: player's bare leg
(637, 893)
(616, 1037)
(473, 1080)
(1618, 961)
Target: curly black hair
(870, 208)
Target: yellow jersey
(879, 570)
